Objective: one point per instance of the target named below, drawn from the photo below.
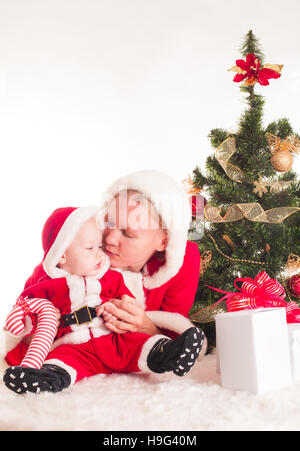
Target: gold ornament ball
(282, 160)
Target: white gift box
(253, 350)
(294, 337)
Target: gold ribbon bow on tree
(291, 143)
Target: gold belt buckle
(89, 314)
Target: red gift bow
(260, 292)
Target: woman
(158, 264)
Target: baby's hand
(99, 310)
(106, 316)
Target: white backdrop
(93, 89)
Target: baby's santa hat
(173, 207)
(58, 233)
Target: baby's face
(84, 257)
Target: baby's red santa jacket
(69, 294)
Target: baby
(78, 284)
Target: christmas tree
(252, 215)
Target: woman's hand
(126, 315)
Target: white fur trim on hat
(64, 238)
(171, 204)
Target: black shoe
(178, 355)
(49, 378)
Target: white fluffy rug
(151, 403)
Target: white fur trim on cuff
(142, 362)
(170, 321)
(71, 371)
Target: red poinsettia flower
(251, 71)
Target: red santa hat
(172, 205)
(59, 231)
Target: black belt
(81, 316)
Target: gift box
(294, 338)
(253, 350)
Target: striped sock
(45, 331)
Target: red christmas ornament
(198, 203)
(294, 285)
(251, 71)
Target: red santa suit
(166, 288)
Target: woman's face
(133, 233)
